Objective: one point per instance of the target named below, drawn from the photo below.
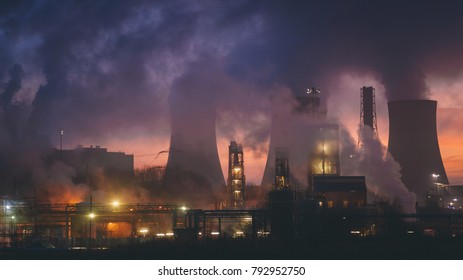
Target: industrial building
(94, 162)
(295, 124)
(236, 191)
(324, 160)
(341, 191)
(281, 169)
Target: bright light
(115, 203)
(355, 231)
(8, 207)
(13, 217)
(455, 199)
(435, 176)
(160, 234)
(239, 233)
(169, 234)
(215, 233)
(143, 230)
(410, 231)
(200, 233)
(183, 208)
(91, 215)
(237, 168)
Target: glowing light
(410, 231)
(435, 176)
(115, 203)
(91, 215)
(355, 231)
(200, 233)
(169, 234)
(239, 233)
(13, 217)
(160, 234)
(143, 230)
(237, 168)
(8, 207)
(183, 208)
(215, 233)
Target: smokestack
(414, 145)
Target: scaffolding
(367, 114)
(236, 192)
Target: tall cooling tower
(193, 173)
(414, 145)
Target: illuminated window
(345, 204)
(330, 204)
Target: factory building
(413, 143)
(281, 169)
(341, 191)
(236, 192)
(324, 160)
(94, 162)
(295, 124)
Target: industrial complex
(306, 194)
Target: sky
(103, 71)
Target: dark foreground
(325, 249)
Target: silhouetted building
(341, 191)
(281, 169)
(94, 164)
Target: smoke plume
(381, 171)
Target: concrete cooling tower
(414, 145)
(193, 173)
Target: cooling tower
(193, 173)
(414, 145)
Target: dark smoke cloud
(99, 57)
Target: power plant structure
(367, 114)
(193, 173)
(236, 192)
(413, 143)
(281, 169)
(325, 157)
(295, 124)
